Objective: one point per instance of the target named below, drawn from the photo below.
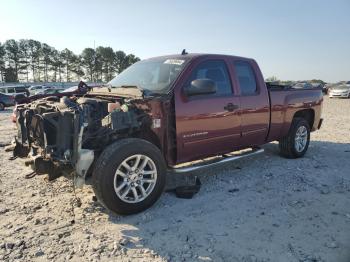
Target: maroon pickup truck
(159, 115)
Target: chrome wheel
(135, 178)
(301, 138)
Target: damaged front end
(64, 136)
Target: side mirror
(201, 87)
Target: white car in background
(33, 90)
(340, 91)
(14, 90)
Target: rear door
(207, 124)
(255, 105)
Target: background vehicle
(33, 90)
(327, 87)
(302, 85)
(6, 101)
(342, 90)
(321, 86)
(159, 113)
(53, 92)
(50, 91)
(14, 90)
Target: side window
(11, 90)
(246, 78)
(19, 89)
(216, 71)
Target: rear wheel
(296, 143)
(2, 106)
(129, 176)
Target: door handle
(231, 107)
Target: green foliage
(271, 79)
(30, 60)
(319, 81)
(13, 56)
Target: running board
(224, 159)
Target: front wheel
(2, 107)
(296, 143)
(129, 176)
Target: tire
(288, 145)
(106, 181)
(2, 106)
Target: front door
(207, 124)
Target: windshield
(155, 76)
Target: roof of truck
(189, 56)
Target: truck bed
(286, 101)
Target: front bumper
(331, 94)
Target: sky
(292, 40)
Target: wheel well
(308, 115)
(150, 137)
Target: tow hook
(20, 150)
(42, 166)
(188, 191)
(184, 186)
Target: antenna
(184, 52)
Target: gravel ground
(263, 208)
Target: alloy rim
(135, 178)
(300, 139)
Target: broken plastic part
(113, 106)
(188, 191)
(124, 108)
(79, 182)
(85, 158)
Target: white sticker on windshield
(174, 61)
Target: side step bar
(224, 159)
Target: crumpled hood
(134, 93)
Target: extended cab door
(207, 124)
(255, 104)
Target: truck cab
(234, 116)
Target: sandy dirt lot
(263, 208)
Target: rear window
(246, 78)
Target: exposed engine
(67, 133)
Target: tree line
(30, 60)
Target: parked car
(50, 91)
(327, 87)
(340, 91)
(14, 90)
(33, 90)
(157, 114)
(320, 86)
(302, 85)
(6, 101)
(78, 90)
